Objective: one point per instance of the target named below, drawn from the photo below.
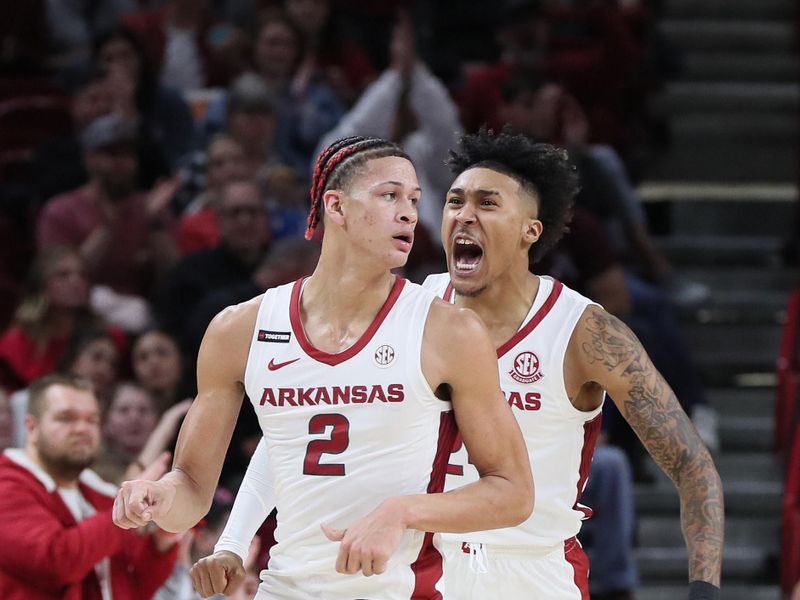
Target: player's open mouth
(404, 241)
(467, 255)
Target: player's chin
(468, 288)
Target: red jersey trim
(447, 296)
(428, 566)
(535, 319)
(576, 557)
(448, 293)
(339, 357)
(591, 431)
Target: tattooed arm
(605, 351)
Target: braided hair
(338, 163)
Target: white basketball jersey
(344, 432)
(560, 438)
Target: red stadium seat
(787, 376)
(790, 532)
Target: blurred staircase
(730, 181)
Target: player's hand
(368, 544)
(139, 502)
(220, 573)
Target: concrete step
(740, 9)
(719, 374)
(746, 434)
(738, 344)
(742, 498)
(732, 218)
(740, 563)
(738, 308)
(741, 124)
(740, 66)
(736, 591)
(742, 401)
(695, 96)
(748, 466)
(696, 159)
(731, 35)
(743, 277)
(665, 532)
(721, 250)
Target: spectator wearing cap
(123, 235)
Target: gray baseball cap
(109, 130)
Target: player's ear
(332, 203)
(531, 231)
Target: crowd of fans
(155, 157)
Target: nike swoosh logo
(273, 366)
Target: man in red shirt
(58, 541)
(123, 235)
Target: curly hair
(542, 170)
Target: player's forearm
(702, 517)
(490, 503)
(190, 504)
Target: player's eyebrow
(481, 191)
(397, 183)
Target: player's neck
(504, 304)
(341, 298)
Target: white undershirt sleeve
(252, 506)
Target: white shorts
(481, 571)
(396, 584)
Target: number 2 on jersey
(336, 444)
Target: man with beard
(123, 235)
(58, 540)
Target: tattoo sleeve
(623, 368)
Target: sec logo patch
(384, 356)
(526, 368)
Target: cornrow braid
(338, 162)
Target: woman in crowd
(92, 353)
(158, 368)
(133, 435)
(54, 307)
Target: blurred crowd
(155, 157)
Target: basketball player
(558, 354)
(352, 374)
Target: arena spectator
(133, 434)
(55, 306)
(244, 241)
(545, 111)
(589, 49)
(342, 63)
(397, 106)
(158, 368)
(304, 105)
(164, 118)
(92, 353)
(188, 49)
(224, 162)
(124, 236)
(58, 540)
